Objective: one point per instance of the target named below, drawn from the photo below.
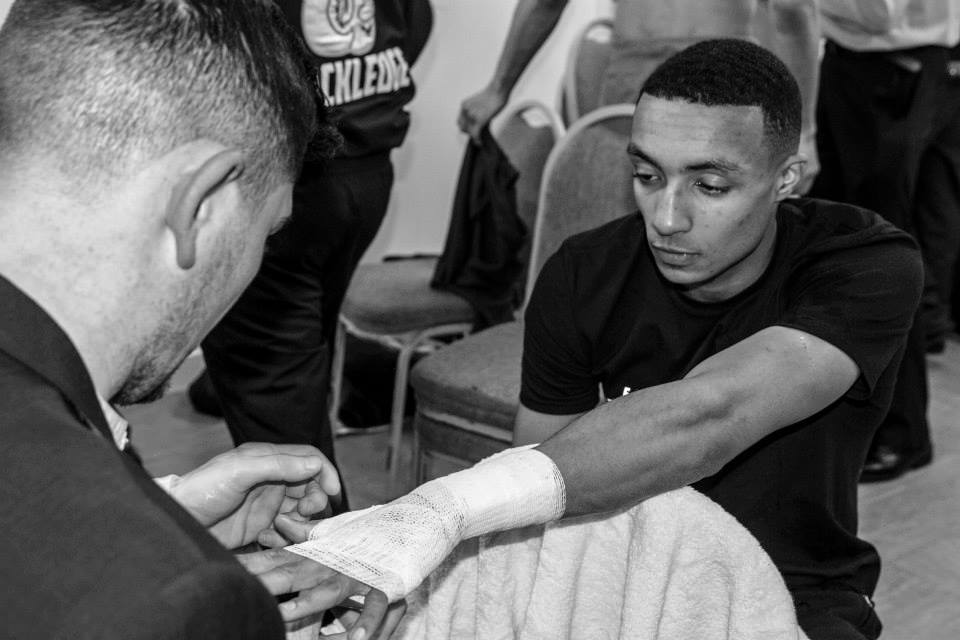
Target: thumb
(293, 530)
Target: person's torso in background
(888, 25)
(364, 50)
(647, 32)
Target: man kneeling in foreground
(747, 343)
(147, 148)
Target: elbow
(713, 422)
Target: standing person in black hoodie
(269, 358)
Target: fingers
(272, 539)
(292, 529)
(316, 498)
(394, 616)
(327, 593)
(321, 588)
(379, 618)
(282, 572)
(391, 620)
(263, 561)
(263, 462)
(289, 527)
(477, 111)
(375, 606)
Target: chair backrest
(587, 182)
(527, 133)
(588, 58)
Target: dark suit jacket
(91, 547)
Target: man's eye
(646, 178)
(711, 190)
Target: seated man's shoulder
(827, 221)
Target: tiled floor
(915, 521)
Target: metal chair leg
(404, 356)
(417, 458)
(336, 378)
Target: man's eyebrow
(635, 152)
(715, 165)
(708, 165)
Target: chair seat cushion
(475, 379)
(395, 297)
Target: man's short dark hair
(96, 83)
(729, 72)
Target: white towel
(675, 567)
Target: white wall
(459, 59)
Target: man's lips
(672, 255)
(672, 250)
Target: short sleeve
(861, 300)
(556, 377)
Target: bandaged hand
(393, 547)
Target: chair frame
(570, 103)
(424, 340)
(406, 345)
(485, 435)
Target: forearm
(641, 445)
(668, 436)
(794, 35)
(533, 22)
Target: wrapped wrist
(395, 546)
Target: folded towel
(675, 567)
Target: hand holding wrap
(393, 547)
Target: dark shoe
(886, 463)
(203, 397)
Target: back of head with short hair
(729, 72)
(97, 83)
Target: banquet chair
(468, 393)
(586, 62)
(392, 303)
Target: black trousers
(835, 614)
(889, 140)
(269, 358)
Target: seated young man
(746, 343)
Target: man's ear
(790, 176)
(192, 188)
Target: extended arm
(533, 22)
(792, 31)
(668, 436)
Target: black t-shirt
(364, 50)
(602, 313)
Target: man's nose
(670, 213)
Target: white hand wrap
(393, 547)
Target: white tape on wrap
(393, 547)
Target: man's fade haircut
(729, 72)
(98, 83)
